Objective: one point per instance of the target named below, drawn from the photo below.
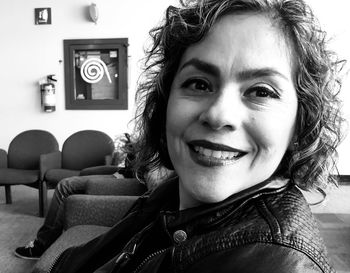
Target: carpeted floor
(335, 230)
(334, 221)
(19, 223)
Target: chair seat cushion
(10, 176)
(72, 237)
(53, 176)
(100, 170)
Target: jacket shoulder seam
(270, 219)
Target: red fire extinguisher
(48, 98)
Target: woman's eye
(263, 92)
(197, 85)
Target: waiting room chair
(83, 149)
(86, 216)
(21, 163)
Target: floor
(19, 223)
(334, 219)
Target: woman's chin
(208, 195)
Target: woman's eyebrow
(243, 75)
(259, 73)
(202, 66)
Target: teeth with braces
(216, 154)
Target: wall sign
(42, 16)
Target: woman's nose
(225, 110)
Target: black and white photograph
(175, 136)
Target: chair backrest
(25, 149)
(85, 149)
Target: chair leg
(42, 198)
(8, 194)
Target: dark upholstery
(106, 169)
(21, 163)
(106, 210)
(17, 176)
(56, 175)
(105, 201)
(81, 150)
(87, 216)
(86, 149)
(102, 185)
(3, 158)
(25, 149)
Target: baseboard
(344, 179)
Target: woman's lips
(213, 154)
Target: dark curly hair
(312, 161)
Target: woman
(239, 98)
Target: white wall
(30, 52)
(335, 19)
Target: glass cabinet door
(96, 74)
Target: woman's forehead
(244, 41)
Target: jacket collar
(166, 198)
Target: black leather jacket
(257, 230)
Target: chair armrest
(3, 159)
(50, 161)
(110, 185)
(105, 169)
(95, 209)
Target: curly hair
(313, 159)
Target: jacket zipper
(149, 257)
(130, 248)
(124, 256)
(55, 261)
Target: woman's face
(232, 109)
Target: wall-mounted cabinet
(96, 73)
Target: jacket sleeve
(258, 258)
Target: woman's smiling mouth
(211, 154)
(216, 154)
